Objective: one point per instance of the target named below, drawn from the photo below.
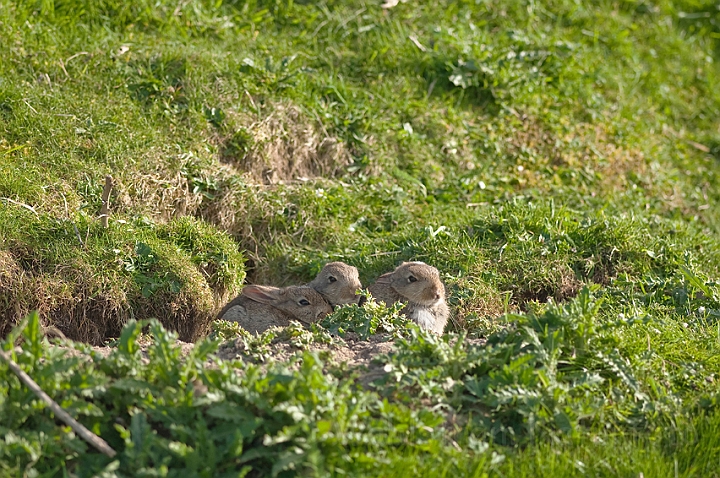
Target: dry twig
(78, 427)
(105, 209)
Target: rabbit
(259, 307)
(338, 283)
(419, 286)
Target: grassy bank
(557, 162)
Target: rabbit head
(417, 282)
(338, 283)
(300, 302)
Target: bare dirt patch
(350, 354)
(586, 155)
(588, 146)
(350, 357)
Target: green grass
(530, 151)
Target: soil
(352, 354)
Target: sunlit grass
(528, 150)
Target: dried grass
(244, 213)
(164, 188)
(286, 145)
(588, 149)
(613, 162)
(74, 307)
(485, 301)
(561, 284)
(10, 276)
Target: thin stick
(697, 145)
(67, 213)
(30, 106)
(79, 428)
(105, 209)
(417, 43)
(252, 102)
(77, 234)
(389, 253)
(76, 55)
(29, 208)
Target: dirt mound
(89, 308)
(93, 316)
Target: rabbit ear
(384, 279)
(262, 293)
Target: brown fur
(258, 308)
(338, 283)
(419, 286)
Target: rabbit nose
(437, 296)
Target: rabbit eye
(332, 279)
(412, 279)
(304, 302)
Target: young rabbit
(338, 282)
(259, 307)
(419, 286)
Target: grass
(533, 152)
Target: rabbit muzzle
(427, 300)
